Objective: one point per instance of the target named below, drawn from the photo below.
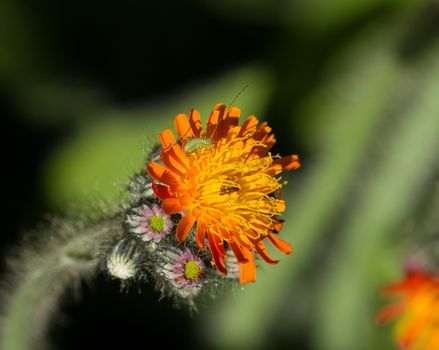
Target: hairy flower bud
(140, 188)
(125, 259)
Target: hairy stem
(36, 287)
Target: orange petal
(184, 226)
(248, 126)
(212, 123)
(232, 133)
(233, 116)
(247, 271)
(278, 226)
(176, 160)
(217, 255)
(183, 127)
(227, 120)
(224, 234)
(167, 139)
(280, 244)
(173, 165)
(181, 188)
(244, 241)
(262, 251)
(390, 312)
(180, 155)
(274, 169)
(413, 331)
(268, 142)
(172, 155)
(171, 147)
(289, 162)
(172, 206)
(396, 288)
(268, 208)
(261, 132)
(168, 177)
(280, 205)
(195, 122)
(155, 170)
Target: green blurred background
(350, 86)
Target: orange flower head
(223, 181)
(417, 310)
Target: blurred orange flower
(417, 310)
(224, 181)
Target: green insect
(194, 144)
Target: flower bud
(125, 260)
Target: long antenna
(239, 93)
(230, 104)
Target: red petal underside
(411, 283)
(184, 226)
(220, 244)
(200, 235)
(161, 191)
(262, 251)
(217, 253)
(389, 312)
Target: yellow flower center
(192, 270)
(230, 188)
(156, 223)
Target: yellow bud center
(192, 270)
(157, 223)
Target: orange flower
(223, 180)
(417, 310)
